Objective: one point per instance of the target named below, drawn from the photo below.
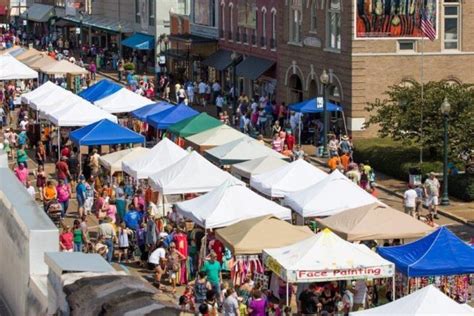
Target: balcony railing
(273, 43)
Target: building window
(273, 39)
(295, 21)
(151, 11)
(451, 24)
(406, 46)
(263, 38)
(313, 16)
(137, 12)
(222, 31)
(184, 7)
(231, 22)
(212, 12)
(59, 3)
(333, 23)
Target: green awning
(194, 125)
(39, 13)
(103, 23)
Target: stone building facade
(317, 35)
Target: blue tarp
(439, 253)
(105, 132)
(143, 113)
(140, 41)
(100, 90)
(309, 106)
(165, 119)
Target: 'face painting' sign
(339, 274)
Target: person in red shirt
(65, 152)
(218, 247)
(181, 241)
(62, 169)
(66, 243)
(290, 140)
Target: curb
(388, 191)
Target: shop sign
(342, 274)
(319, 102)
(311, 41)
(78, 30)
(273, 265)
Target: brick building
(366, 48)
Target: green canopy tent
(194, 125)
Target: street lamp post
(234, 56)
(324, 78)
(445, 109)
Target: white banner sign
(319, 102)
(344, 274)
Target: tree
(405, 117)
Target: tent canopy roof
(216, 136)
(105, 132)
(12, 69)
(426, 301)
(324, 198)
(257, 166)
(27, 53)
(166, 118)
(439, 253)
(194, 124)
(121, 101)
(100, 90)
(39, 61)
(192, 174)
(143, 112)
(45, 88)
(63, 67)
(325, 251)
(140, 41)
(311, 106)
(240, 150)
(161, 156)
(251, 236)
(113, 161)
(363, 223)
(288, 178)
(229, 203)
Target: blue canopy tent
(165, 119)
(439, 253)
(105, 132)
(100, 90)
(311, 106)
(140, 41)
(143, 113)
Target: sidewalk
(457, 210)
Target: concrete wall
(27, 234)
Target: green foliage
(129, 67)
(399, 116)
(462, 187)
(394, 159)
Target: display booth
(113, 161)
(247, 169)
(163, 120)
(326, 257)
(100, 90)
(122, 101)
(214, 137)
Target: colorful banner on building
(393, 18)
(247, 10)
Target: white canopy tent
(70, 101)
(12, 69)
(161, 156)
(46, 88)
(240, 150)
(63, 67)
(56, 96)
(192, 174)
(122, 101)
(326, 257)
(113, 162)
(332, 195)
(80, 114)
(215, 137)
(257, 166)
(229, 203)
(288, 178)
(426, 301)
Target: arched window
(222, 32)
(231, 21)
(263, 38)
(273, 42)
(333, 25)
(296, 89)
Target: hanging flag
(427, 27)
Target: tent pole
(59, 143)
(393, 288)
(287, 294)
(344, 121)
(163, 203)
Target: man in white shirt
(219, 104)
(190, 92)
(24, 123)
(202, 87)
(216, 90)
(409, 200)
(31, 190)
